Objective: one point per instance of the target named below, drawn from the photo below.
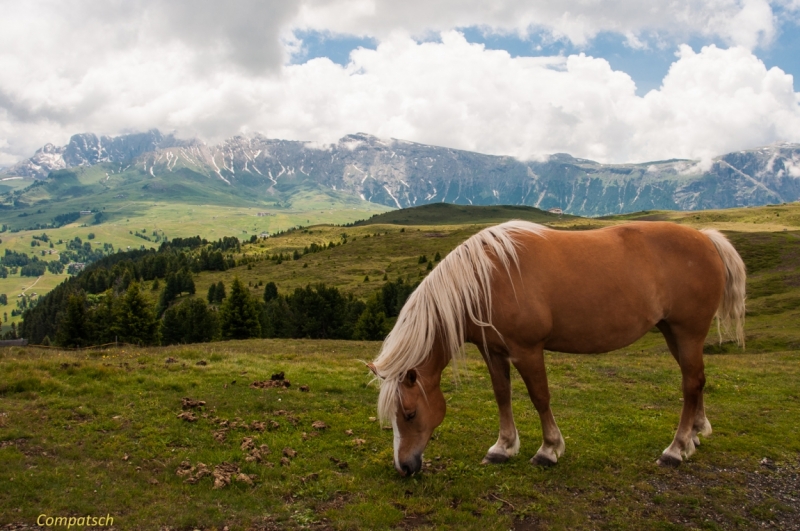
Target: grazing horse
(519, 288)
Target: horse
(518, 288)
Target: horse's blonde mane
(457, 289)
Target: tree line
(109, 302)
(128, 315)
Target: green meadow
(106, 432)
(99, 434)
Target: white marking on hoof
(705, 428)
(500, 452)
(548, 454)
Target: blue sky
(646, 66)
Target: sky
(608, 80)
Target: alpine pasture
(108, 432)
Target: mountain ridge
(399, 173)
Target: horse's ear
(371, 367)
(411, 377)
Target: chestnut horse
(518, 288)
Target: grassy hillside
(107, 440)
(374, 249)
(447, 214)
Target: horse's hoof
(542, 460)
(494, 459)
(669, 461)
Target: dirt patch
(772, 491)
(190, 403)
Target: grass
(97, 432)
(106, 440)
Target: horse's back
(594, 291)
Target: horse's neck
(437, 360)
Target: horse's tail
(730, 314)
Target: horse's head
(419, 407)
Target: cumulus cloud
(215, 71)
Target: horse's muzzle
(410, 466)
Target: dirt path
(32, 285)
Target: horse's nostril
(406, 470)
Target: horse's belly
(589, 341)
(601, 328)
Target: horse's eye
(411, 415)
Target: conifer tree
(239, 314)
(72, 330)
(270, 292)
(220, 292)
(371, 325)
(137, 323)
(102, 322)
(212, 294)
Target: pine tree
(186, 282)
(220, 292)
(270, 292)
(189, 322)
(212, 294)
(239, 314)
(72, 330)
(137, 323)
(371, 325)
(102, 322)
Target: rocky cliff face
(402, 174)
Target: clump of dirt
(338, 462)
(170, 360)
(193, 474)
(270, 384)
(288, 452)
(224, 472)
(304, 388)
(202, 363)
(319, 425)
(191, 403)
(188, 416)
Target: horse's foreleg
(507, 444)
(689, 354)
(530, 365)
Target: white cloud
(738, 22)
(214, 71)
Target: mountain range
(397, 174)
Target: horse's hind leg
(701, 424)
(507, 444)
(688, 352)
(530, 364)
